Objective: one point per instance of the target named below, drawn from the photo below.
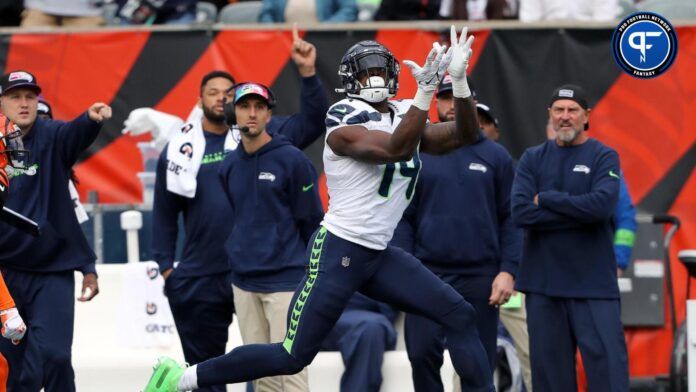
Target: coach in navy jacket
(39, 271)
(276, 208)
(199, 289)
(564, 196)
(458, 224)
(272, 189)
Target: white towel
(161, 125)
(185, 153)
(79, 208)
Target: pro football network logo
(644, 45)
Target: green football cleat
(166, 376)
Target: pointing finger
(295, 33)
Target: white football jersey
(366, 201)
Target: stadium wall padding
(651, 123)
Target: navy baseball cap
(487, 112)
(572, 92)
(44, 107)
(446, 86)
(16, 79)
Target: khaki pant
(263, 319)
(515, 321)
(36, 18)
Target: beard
(212, 116)
(567, 136)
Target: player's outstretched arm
(379, 147)
(444, 137)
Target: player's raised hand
(303, 54)
(99, 112)
(427, 76)
(461, 53)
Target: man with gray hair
(564, 196)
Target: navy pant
(46, 302)
(425, 339)
(557, 326)
(337, 269)
(362, 337)
(202, 307)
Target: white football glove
(461, 48)
(13, 326)
(427, 76)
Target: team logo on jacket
(581, 169)
(152, 272)
(150, 308)
(478, 167)
(186, 149)
(644, 45)
(267, 176)
(345, 261)
(13, 172)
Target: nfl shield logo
(345, 261)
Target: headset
(230, 117)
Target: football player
(371, 164)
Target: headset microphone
(244, 129)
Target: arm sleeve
(88, 269)
(223, 173)
(6, 301)
(510, 236)
(304, 198)
(524, 212)
(596, 205)
(305, 127)
(75, 136)
(165, 215)
(626, 225)
(347, 12)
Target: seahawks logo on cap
(20, 75)
(644, 45)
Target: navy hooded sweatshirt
(41, 194)
(568, 247)
(276, 209)
(207, 216)
(459, 219)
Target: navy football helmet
(369, 58)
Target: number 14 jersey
(366, 201)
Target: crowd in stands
(33, 13)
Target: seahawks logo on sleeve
(345, 113)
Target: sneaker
(166, 376)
